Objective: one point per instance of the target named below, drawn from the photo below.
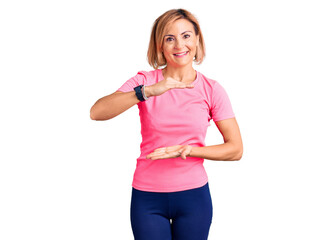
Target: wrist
(192, 153)
(147, 91)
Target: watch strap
(138, 93)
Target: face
(179, 43)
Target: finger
(163, 149)
(172, 151)
(156, 151)
(160, 156)
(155, 158)
(183, 154)
(184, 86)
(165, 155)
(167, 149)
(154, 154)
(186, 152)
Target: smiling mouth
(180, 54)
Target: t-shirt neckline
(194, 82)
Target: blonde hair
(154, 54)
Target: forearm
(221, 152)
(112, 105)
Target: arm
(114, 104)
(230, 150)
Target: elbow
(92, 117)
(238, 157)
(93, 114)
(99, 115)
(238, 154)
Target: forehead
(179, 26)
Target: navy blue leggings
(183, 215)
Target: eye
(169, 39)
(187, 36)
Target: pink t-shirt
(177, 117)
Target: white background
(65, 176)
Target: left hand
(170, 152)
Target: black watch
(138, 93)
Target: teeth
(181, 54)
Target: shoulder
(213, 90)
(209, 82)
(150, 74)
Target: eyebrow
(174, 35)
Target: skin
(180, 38)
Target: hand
(170, 152)
(165, 85)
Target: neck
(182, 74)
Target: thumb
(183, 154)
(186, 152)
(189, 149)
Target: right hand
(165, 85)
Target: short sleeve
(130, 84)
(221, 108)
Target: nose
(179, 43)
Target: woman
(170, 192)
